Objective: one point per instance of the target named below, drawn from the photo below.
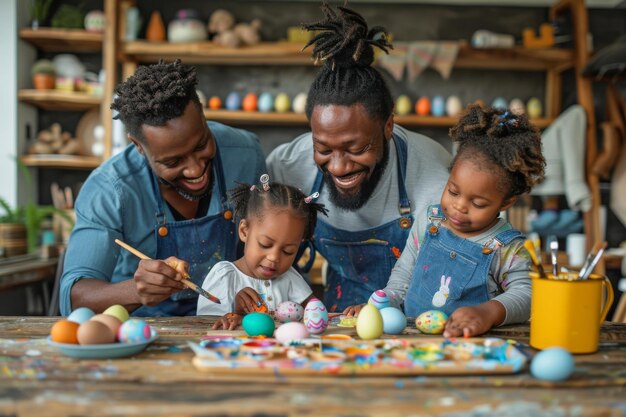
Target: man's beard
(355, 201)
(186, 194)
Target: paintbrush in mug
(187, 281)
(554, 250)
(530, 247)
(592, 260)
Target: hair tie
(312, 197)
(265, 181)
(509, 120)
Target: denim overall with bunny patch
(451, 271)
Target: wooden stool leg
(620, 312)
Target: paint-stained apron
(451, 271)
(201, 242)
(360, 262)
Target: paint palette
(345, 356)
(103, 351)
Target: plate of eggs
(112, 334)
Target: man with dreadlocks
(165, 195)
(376, 178)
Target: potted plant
(43, 74)
(20, 226)
(39, 12)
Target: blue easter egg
(233, 101)
(81, 315)
(553, 364)
(438, 106)
(500, 103)
(266, 102)
(134, 331)
(379, 299)
(394, 320)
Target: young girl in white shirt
(275, 219)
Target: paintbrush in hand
(592, 260)
(530, 247)
(187, 281)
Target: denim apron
(201, 242)
(360, 262)
(451, 271)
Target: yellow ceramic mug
(568, 314)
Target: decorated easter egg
(315, 316)
(266, 102)
(517, 106)
(93, 332)
(438, 106)
(403, 105)
(81, 315)
(394, 320)
(534, 108)
(289, 311)
(64, 331)
(369, 323)
(113, 323)
(291, 331)
(233, 101)
(379, 299)
(299, 103)
(431, 322)
(258, 324)
(134, 331)
(117, 311)
(215, 103)
(250, 102)
(422, 107)
(553, 364)
(282, 103)
(499, 103)
(453, 106)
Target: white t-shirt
(224, 281)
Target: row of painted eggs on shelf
(452, 106)
(264, 102)
(424, 106)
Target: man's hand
(156, 280)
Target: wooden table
(35, 380)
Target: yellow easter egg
(118, 312)
(282, 103)
(431, 322)
(403, 105)
(534, 108)
(369, 323)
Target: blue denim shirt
(116, 202)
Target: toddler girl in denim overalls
(469, 262)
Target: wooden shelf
(59, 100)
(286, 53)
(62, 161)
(63, 40)
(240, 117)
(265, 53)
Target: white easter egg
(291, 331)
(299, 103)
(315, 316)
(453, 106)
(517, 106)
(289, 311)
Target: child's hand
(230, 321)
(248, 301)
(474, 320)
(353, 310)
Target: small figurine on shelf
(55, 141)
(95, 21)
(226, 33)
(156, 28)
(43, 74)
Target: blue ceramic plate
(104, 351)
